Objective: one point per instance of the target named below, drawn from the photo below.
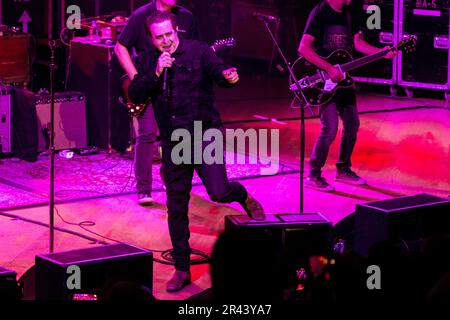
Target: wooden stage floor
(399, 152)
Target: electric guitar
(136, 110)
(315, 83)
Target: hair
(159, 17)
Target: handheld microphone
(165, 76)
(165, 79)
(264, 17)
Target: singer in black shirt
(191, 68)
(134, 40)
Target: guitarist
(332, 25)
(135, 38)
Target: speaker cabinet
(99, 267)
(406, 219)
(70, 121)
(24, 124)
(382, 71)
(297, 236)
(15, 58)
(9, 288)
(5, 120)
(95, 71)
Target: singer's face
(164, 37)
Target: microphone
(165, 75)
(165, 79)
(264, 17)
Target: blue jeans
(178, 179)
(146, 133)
(343, 105)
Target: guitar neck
(354, 64)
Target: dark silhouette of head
(246, 266)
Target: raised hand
(164, 61)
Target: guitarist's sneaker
(145, 199)
(319, 183)
(350, 177)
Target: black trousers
(178, 180)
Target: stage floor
(402, 152)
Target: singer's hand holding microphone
(164, 61)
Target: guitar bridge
(304, 84)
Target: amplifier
(111, 29)
(5, 120)
(95, 70)
(15, 58)
(70, 120)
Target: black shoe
(319, 183)
(145, 199)
(254, 209)
(179, 280)
(350, 177)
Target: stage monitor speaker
(5, 120)
(409, 218)
(296, 236)
(98, 267)
(70, 121)
(9, 288)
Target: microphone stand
(51, 150)
(304, 102)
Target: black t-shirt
(331, 29)
(135, 34)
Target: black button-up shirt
(189, 96)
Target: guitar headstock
(223, 43)
(408, 44)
